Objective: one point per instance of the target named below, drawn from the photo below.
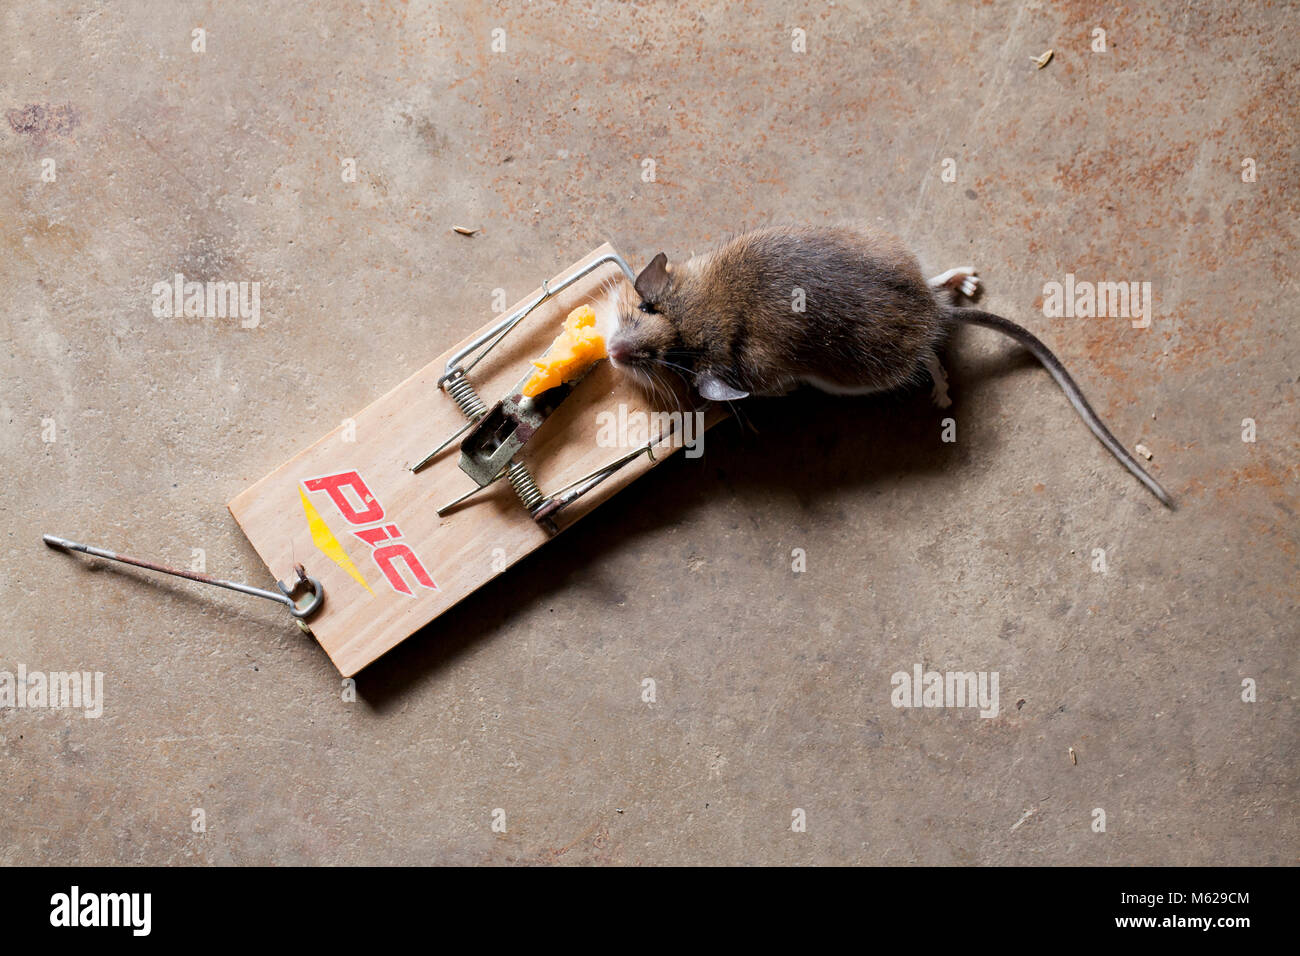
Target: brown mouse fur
(729, 321)
(730, 316)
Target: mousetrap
(454, 475)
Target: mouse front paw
(939, 391)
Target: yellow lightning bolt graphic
(324, 539)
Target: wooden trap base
(350, 509)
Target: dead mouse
(843, 309)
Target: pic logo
(359, 507)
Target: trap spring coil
(524, 485)
(462, 392)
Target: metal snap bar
(284, 596)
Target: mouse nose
(618, 351)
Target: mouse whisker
(683, 373)
(662, 389)
(746, 423)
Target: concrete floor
(773, 687)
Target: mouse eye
(648, 308)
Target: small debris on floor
(464, 230)
(1144, 451)
(1043, 60)
(1074, 758)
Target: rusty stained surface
(772, 688)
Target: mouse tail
(1053, 365)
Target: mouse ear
(653, 280)
(716, 390)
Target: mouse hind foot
(962, 283)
